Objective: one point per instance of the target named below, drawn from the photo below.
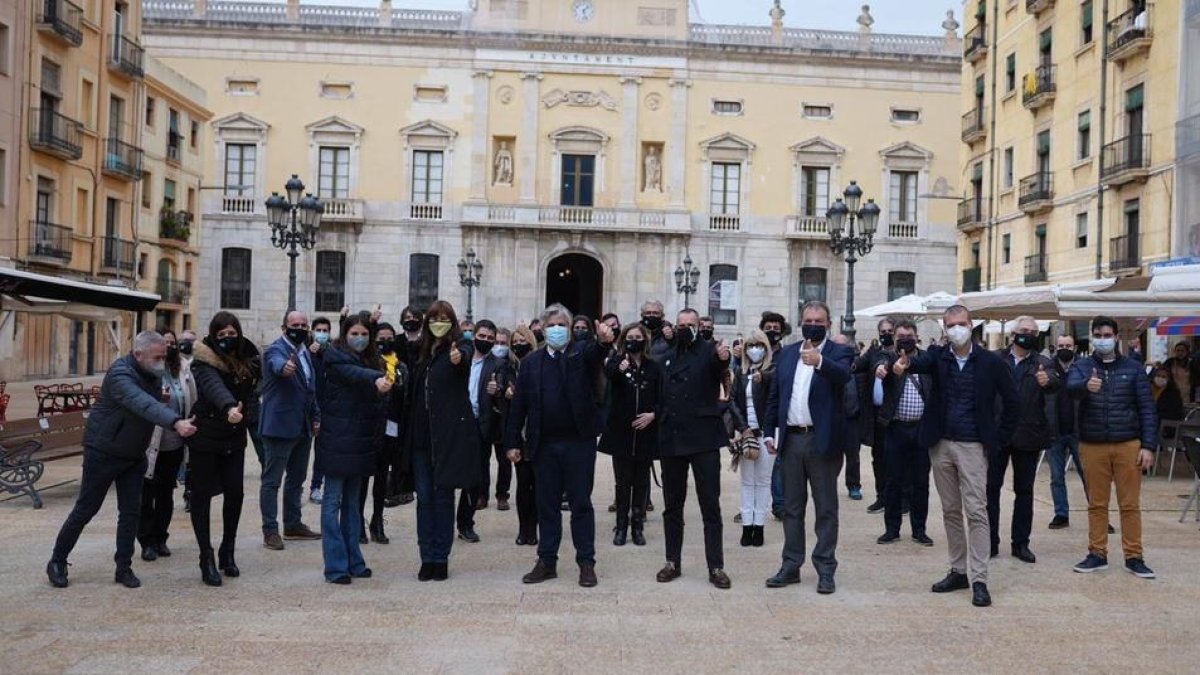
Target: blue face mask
(321, 338)
(557, 336)
(468, 335)
(358, 342)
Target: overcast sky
(891, 16)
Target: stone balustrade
(576, 218)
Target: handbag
(749, 447)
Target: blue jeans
(341, 525)
(566, 467)
(280, 455)
(435, 512)
(1056, 456)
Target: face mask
(521, 350)
(959, 335)
(1104, 346)
(906, 345)
(756, 354)
(321, 337)
(468, 335)
(358, 342)
(706, 334)
(774, 336)
(539, 335)
(557, 336)
(500, 351)
(886, 339)
(411, 325)
(581, 334)
(1064, 355)
(685, 335)
(227, 344)
(298, 336)
(185, 347)
(484, 346)
(386, 346)
(1026, 341)
(635, 346)
(813, 332)
(654, 323)
(1160, 382)
(172, 352)
(439, 328)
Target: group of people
(423, 410)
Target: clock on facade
(584, 10)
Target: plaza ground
(280, 616)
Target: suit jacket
(289, 405)
(825, 394)
(1036, 425)
(692, 417)
(488, 419)
(994, 384)
(864, 381)
(524, 427)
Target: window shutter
(1134, 98)
(1087, 14)
(979, 86)
(1046, 40)
(1043, 143)
(981, 10)
(977, 172)
(1085, 120)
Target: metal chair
(1167, 442)
(1191, 447)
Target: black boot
(208, 569)
(747, 535)
(620, 534)
(637, 525)
(623, 502)
(377, 534)
(226, 562)
(758, 536)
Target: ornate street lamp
(687, 280)
(294, 222)
(842, 218)
(470, 275)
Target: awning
(911, 306)
(1040, 302)
(20, 285)
(1188, 325)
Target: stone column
(481, 160)
(527, 144)
(676, 158)
(630, 175)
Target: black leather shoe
(1060, 522)
(670, 572)
(468, 535)
(362, 540)
(980, 596)
(208, 570)
(747, 535)
(783, 578)
(954, 581)
(441, 571)
(638, 535)
(521, 541)
(612, 508)
(426, 572)
(163, 551)
(1023, 554)
(758, 535)
(888, 538)
(57, 573)
(995, 550)
(922, 539)
(365, 574)
(825, 585)
(587, 576)
(542, 571)
(341, 581)
(227, 564)
(376, 531)
(876, 506)
(127, 578)
(149, 553)
(649, 507)
(620, 536)
(719, 579)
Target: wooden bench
(26, 445)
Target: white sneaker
(315, 495)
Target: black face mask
(886, 339)
(1026, 341)
(298, 336)
(172, 352)
(813, 332)
(539, 335)
(581, 334)
(654, 323)
(774, 336)
(227, 344)
(635, 346)
(411, 325)
(706, 334)
(386, 346)
(483, 346)
(521, 350)
(185, 347)
(685, 335)
(1065, 355)
(906, 345)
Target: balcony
(50, 243)
(237, 206)
(122, 160)
(126, 57)
(1125, 160)
(903, 230)
(579, 218)
(173, 291)
(1036, 268)
(1124, 254)
(1036, 193)
(425, 211)
(970, 279)
(1129, 34)
(54, 134)
(60, 19)
(174, 225)
(807, 227)
(974, 125)
(724, 222)
(973, 214)
(1039, 87)
(1035, 7)
(173, 140)
(975, 45)
(342, 210)
(120, 255)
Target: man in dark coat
(872, 433)
(119, 427)
(1066, 442)
(484, 369)
(554, 410)
(691, 436)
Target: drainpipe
(993, 202)
(1103, 127)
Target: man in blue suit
(290, 418)
(805, 423)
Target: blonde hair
(526, 334)
(757, 337)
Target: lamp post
(294, 222)
(687, 280)
(842, 217)
(470, 275)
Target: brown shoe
(481, 504)
(719, 579)
(273, 541)
(301, 532)
(542, 571)
(502, 505)
(669, 572)
(587, 576)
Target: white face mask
(1104, 346)
(756, 354)
(500, 351)
(959, 335)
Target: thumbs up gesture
(901, 365)
(604, 333)
(186, 427)
(722, 350)
(493, 386)
(624, 365)
(383, 385)
(455, 354)
(881, 372)
(1095, 383)
(1043, 378)
(235, 414)
(289, 368)
(809, 354)
(377, 314)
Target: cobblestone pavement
(280, 615)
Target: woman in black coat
(226, 367)
(751, 384)
(352, 399)
(631, 436)
(442, 435)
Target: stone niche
(651, 184)
(502, 169)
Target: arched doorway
(577, 281)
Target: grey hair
(817, 304)
(147, 339)
(653, 303)
(557, 309)
(1023, 319)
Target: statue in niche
(865, 20)
(652, 167)
(502, 166)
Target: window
(814, 191)
(1085, 23)
(169, 196)
(240, 169)
(578, 180)
(813, 285)
(1006, 249)
(331, 281)
(1010, 72)
(334, 179)
(904, 197)
(173, 135)
(1133, 219)
(51, 91)
(87, 103)
(150, 112)
(901, 284)
(1081, 230)
(116, 116)
(906, 115)
(44, 206)
(722, 294)
(1085, 135)
(1046, 47)
(112, 217)
(726, 188)
(194, 138)
(4, 42)
(147, 191)
(818, 112)
(422, 280)
(727, 107)
(1009, 166)
(235, 278)
(427, 177)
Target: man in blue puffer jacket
(1117, 432)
